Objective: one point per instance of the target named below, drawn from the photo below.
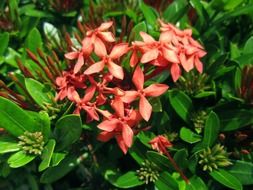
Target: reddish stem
(174, 163)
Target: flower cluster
(98, 84)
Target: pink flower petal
(165, 37)
(79, 63)
(115, 70)
(155, 90)
(73, 95)
(127, 135)
(170, 55)
(105, 136)
(147, 38)
(175, 72)
(149, 56)
(118, 107)
(108, 125)
(105, 26)
(91, 112)
(99, 48)
(119, 50)
(89, 93)
(95, 68)
(145, 108)
(107, 36)
(72, 55)
(121, 144)
(134, 59)
(138, 78)
(129, 96)
(198, 65)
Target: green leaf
(188, 136)
(160, 160)
(149, 14)
(226, 179)
(135, 32)
(180, 158)
(37, 13)
(211, 132)
(14, 119)
(8, 144)
(67, 131)
(145, 137)
(20, 159)
(235, 119)
(243, 171)
(39, 93)
(156, 104)
(181, 103)
(137, 151)
(33, 40)
(57, 157)
(248, 47)
(54, 173)
(127, 180)
(4, 39)
(166, 181)
(175, 11)
(47, 155)
(196, 183)
(202, 14)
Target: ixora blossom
(119, 125)
(153, 90)
(95, 83)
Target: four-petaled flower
(153, 90)
(116, 70)
(119, 125)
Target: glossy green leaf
(149, 14)
(211, 131)
(160, 160)
(4, 39)
(127, 180)
(47, 155)
(188, 136)
(226, 179)
(20, 159)
(166, 181)
(135, 32)
(243, 171)
(38, 13)
(248, 47)
(181, 103)
(181, 158)
(55, 173)
(14, 119)
(197, 5)
(196, 183)
(33, 40)
(137, 151)
(145, 137)
(8, 144)
(235, 119)
(67, 131)
(57, 157)
(175, 11)
(156, 104)
(38, 91)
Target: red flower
(117, 51)
(153, 90)
(97, 37)
(80, 55)
(119, 125)
(85, 104)
(160, 144)
(67, 83)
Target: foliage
(126, 94)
